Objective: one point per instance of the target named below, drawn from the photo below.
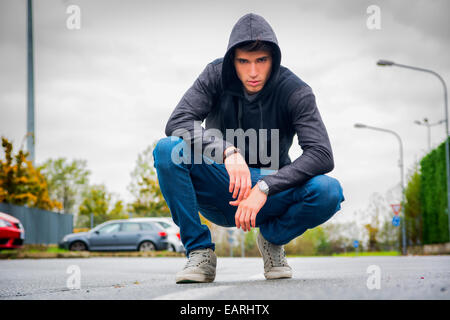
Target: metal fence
(41, 226)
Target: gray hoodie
(285, 103)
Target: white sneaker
(274, 257)
(201, 267)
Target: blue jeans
(189, 188)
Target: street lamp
(384, 63)
(400, 164)
(30, 85)
(428, 125)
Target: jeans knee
(163, 151)
(326, 192)
(335, 194)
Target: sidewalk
(84, 254)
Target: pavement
(142, 278)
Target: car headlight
(4, 223)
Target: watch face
(263, 187)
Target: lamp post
(400, 164)
(428, 125)
(31, 142)
(447, 147)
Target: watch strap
(230, 152)
(262, 185)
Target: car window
(110, 228)
(147, 226)
(130, 227)
(165, 225)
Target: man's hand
(248, 208)
(240, 179)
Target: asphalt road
(412, 277)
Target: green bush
(312, 242)
(413, 208)
(433, 196)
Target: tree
(372, 230)
(376, 209)
(340, 235)
(413, 208)
(313, 241)
(66, 181)
(384, 234)
(388, 236)
(21, 183)
(98, 201)
(148, 199)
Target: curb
(71, 255)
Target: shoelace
(196, 258)
(277, 255)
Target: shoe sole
(194, 278)
(278, 275)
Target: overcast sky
(105, 92)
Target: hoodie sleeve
(317, 156)
(185, 121)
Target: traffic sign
(396, 221)
(356, 243)
(396, 208)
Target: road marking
(193, 294)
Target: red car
(12, 233)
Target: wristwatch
(262, 185)
(230, 152)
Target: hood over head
(250, 27)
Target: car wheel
(78, 246)
(171, 248)
(147, 246)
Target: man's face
(253, 69)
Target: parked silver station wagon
(116, 235)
